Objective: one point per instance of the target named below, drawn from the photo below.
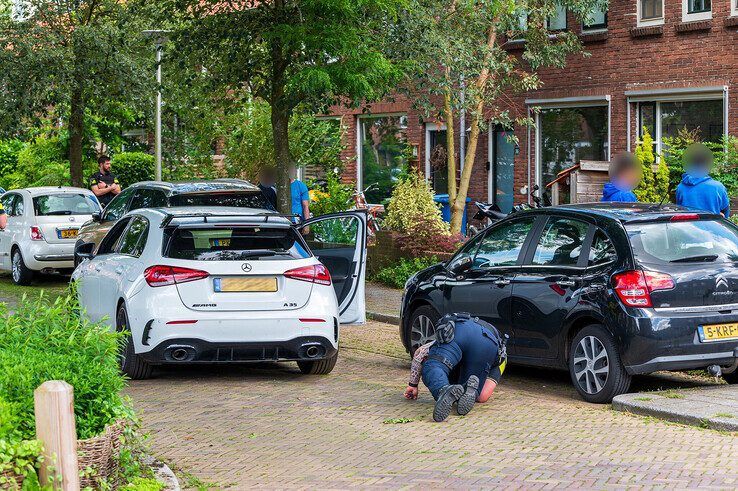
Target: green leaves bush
(9, 150)
(412, 201)
(398, 273)
(42, 162)
(654, 186)
(333, 198)
(132, 167)
(44, 340)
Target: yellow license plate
(262, 284)
(220, 242)
(718, 332)
(68, 234)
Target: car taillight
(36, 233)
(634, 288)
(684, 217)
(314, 274)
(169, 275)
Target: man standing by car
(3, 218)
(104, 183)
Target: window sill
(732, 21)
(594, 36)
(699, 25)
(639, 32)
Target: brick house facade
(664, 71)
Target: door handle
(502, 282)
(566, 282)
(118, 270)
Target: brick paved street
(269, 426)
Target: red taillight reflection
(169, 275)
(36, 233)
(684, 217)
(634, 288)
(314, 274)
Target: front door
(338, 240)
(501, 172)
(547, 287)
(485, 290)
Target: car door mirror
(85, 251)
(97, 217)
(460, 265)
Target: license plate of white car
(241, 284)
(68, 233)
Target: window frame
(535, 229)
(142, 191)
(593, 230)
(138, 248)
(127, 197)
(360, 140)
(734, 8)
(587, 28)
(688, 16)
(535, 239)
(655, 21)
(109, 243)
(566, 19)
(13, 204)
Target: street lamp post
(160, 38)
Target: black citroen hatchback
(606, 291)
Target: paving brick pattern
(271, 427)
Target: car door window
(117, 207)
(133, 239)
(560, 243)
(501, 245)
(110, 242)
(9, 204)
(148, 198)
(19, 207)
(602, 250)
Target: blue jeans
(473, 350)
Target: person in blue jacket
(698, 190)
(625, 174)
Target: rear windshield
(684, 242)
(242, 200)
(65, 204)
(234, 244)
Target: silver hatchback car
(42, 229)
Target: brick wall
(622, 59)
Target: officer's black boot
(467, 400)
(447, 396)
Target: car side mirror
(84, 251)
(460, 265)
(97, 217)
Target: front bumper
(191, 350)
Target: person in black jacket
(266, 184)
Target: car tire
(422, 327)
(318, 367)
(595, 367)
(20, 273)
(135, 367)
(731, 378)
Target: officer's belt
(443, 360)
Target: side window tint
(561, 243)
(19, 206)
(117, 207)
(501, 245)
(134, 238)
(148, 198)
(602, 250)
(9, 204)
(109, 243)
(332, 233)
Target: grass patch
(670, 394)
(645, 399)
(397, 421)
(723, 415)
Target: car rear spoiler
(204, 215)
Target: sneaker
(469, 397)
(448, 395)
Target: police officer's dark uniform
(108, 179)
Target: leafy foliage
(132, 167)
(654, 186)
(397, 274)
(44, 340)
(20, 457)
(421, 239)
(412, 202)
(332, 198)
(9, 150)
(725, 153)
(41, 162)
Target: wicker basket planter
(11, 480)
(97, 455)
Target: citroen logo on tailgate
(246, 267)
(721, 282)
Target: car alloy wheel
(16, 267)
(422, 331)
(591, 365)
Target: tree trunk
(458, 205)
(448, 115)
(76, 136)
(282, 160)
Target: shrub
(333, 198)
(20, 457)
(654, 186)
(41, 162)
(412, 201)
(398, 273)
(9, 150)
(133, 167)
(44, 340)
(422, 239)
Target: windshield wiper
(58, 212)
(704, 258)
(258, 253)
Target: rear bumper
(53, 257)
(42, 255)
(685, 362)
(190, 350)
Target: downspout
(462, 126)
(627, 118)
(528, 152)
(726, 118)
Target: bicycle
(373, 211)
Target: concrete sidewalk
(713, 407)
(383, 303)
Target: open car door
(338, 240)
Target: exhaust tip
(180, 353)
(312, 351)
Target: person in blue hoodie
(625, 174)
(698, 190)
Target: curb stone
(163, 473)
(386, 318)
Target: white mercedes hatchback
(42, 228)
(222, 285)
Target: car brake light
(684, 217)
(169, 275)
(36, 233)
(314, 274)
(634, 288)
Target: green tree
(290, 53)
(462, 63)
(654, 186)
(73, 59)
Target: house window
(436, 158)
(569, 135)
(382, 154)
(734, 9)
(700, 120)
(597, 19)
(557, 21)
(650, 12)
(696, 10)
